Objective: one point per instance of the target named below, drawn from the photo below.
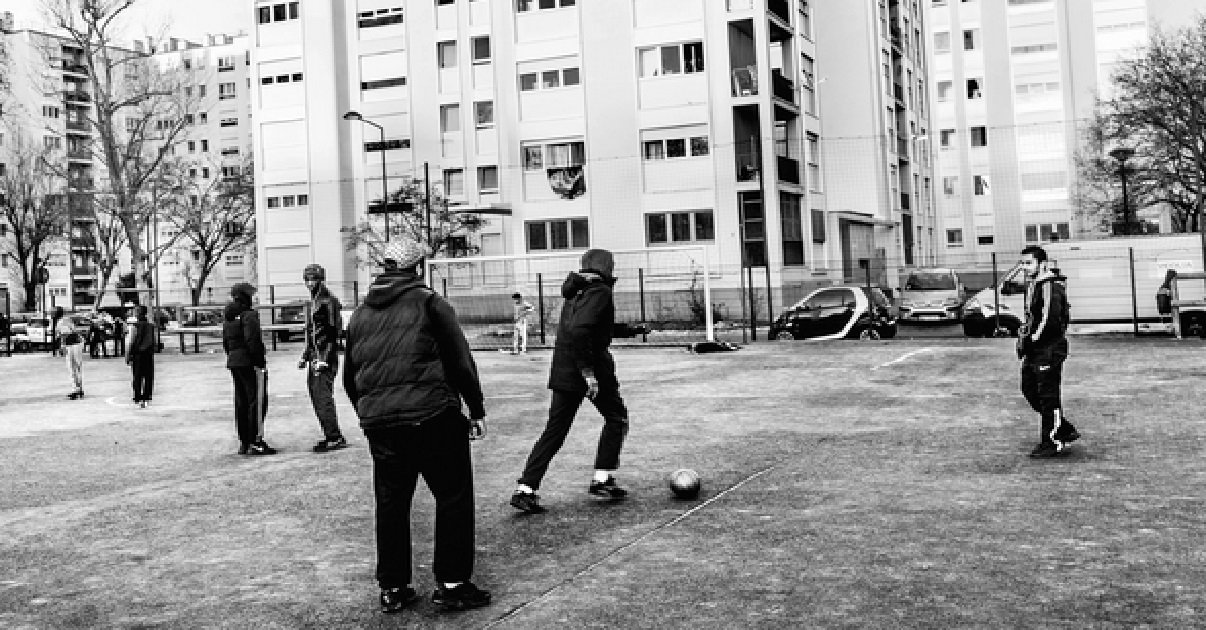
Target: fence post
(996, 298)
(355, 293)
(444, 286)
(540, 303)
(641, 290)
(1134, 295)
(770, 298)
(744, 312)
(753, 305)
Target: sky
(187, 19)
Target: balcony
(745, 81)
(83, 270)
(902, 148)
(78, 125)
(83, 183)
(782, 87)
(747, 166)
(788, 169)
(79, 155)
(76, 96)
(780, 9)
(904, 201)
(74, 67)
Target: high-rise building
(1014, 83)
(623, 124)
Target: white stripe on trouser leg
(259, 404)
(1059, 446)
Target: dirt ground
(846, 484)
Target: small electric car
(838, 312)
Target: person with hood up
(582, 368)
(321, 355)
(1043, 347)
(407, 367)
(243, 342)
(141, 356)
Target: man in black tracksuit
(246, 359)
(321, 356)
(1043, 347)
(582, 368)
(407, 367)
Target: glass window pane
(450, 118)
(580, 232)
(481, 48)
(693, 56)
(447, 54)
(577, 153)
(527, 82)
(671, 63)
(536, 236)
(655, 228)
(651, 65)
(680, 226)
(654, 150)
(484, 113)
(676, 148)
(550, 79)
(699, 145)
(533, 158)
(704, 230)
(570, 76)
(559, 235)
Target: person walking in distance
(522, 310)
(242, 340)
(582, 368)
(1043, 347)
(407, 368)
(72, 343)
(321, 356)
(141, 356)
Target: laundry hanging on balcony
(568, 182)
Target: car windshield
(930, 282)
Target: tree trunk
(103, 275)
(202, 276)
(31, 295)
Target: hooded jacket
(407, 359)
(1047, 316)
(323, 328)
(584, 333)
(242, 338)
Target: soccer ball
(684, 482)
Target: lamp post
(354, 115)
(1122, 154)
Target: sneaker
(528, 502)
(395, 599)
(1069, 437)
(76, 395)
(1046, 449)
(607, 489)
(260, 448)
(325, 445)
(461, 597)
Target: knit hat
(314, 272)
(243, 291)
(403, 253)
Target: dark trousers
(143, 366)
(250, 402)
(322, 397)
(1041, 381)
(438, 450)
(562, 410)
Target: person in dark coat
(242, 340)
(321, 356)
(141, 356)
(407, 367)
(1043, 348)
(582, 368)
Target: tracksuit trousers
(250, 402)
(142, 365)
(1041, 381)
(562, 410)
(322, 398)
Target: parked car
(838, 312)
(32, 334)
(931, 295)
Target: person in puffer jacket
(1043, 348)
(242, 340)
(407, 367)
(582, 368)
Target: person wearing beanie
(246, 358)
(321, 356)
(140, 343)
(582, 368)
(407, 369)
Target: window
(969, 39)
(946, 138)
(954, 238)
(523, 6)
(549, 79)
(679, 227)
(229, 122)
(383, 83)
(446, 54)
(203, 118)
(205, 146)
(942, 42)
(1033, 48)
(189, 119)
(487, 178)
(792, 225)
(674, 59)
(984, 239)
(979, 136)
(226, 91)
(483, 114)
(558, 234)
(303, 200)
(481, 49)
(50, 111)
(264, 15)
(274, 202)
(675, 148)
(808, 84)
(205, 172)
(973, 89)
(944, 90)
(192, 146)
(230, 150)
(287, 201)
(805, 19)
(1047, 232)
(454, 182)
(818, 226)
(950, 185)
(981, 184)
(450, 118)
(234, 260)
(388, 145)
(533, 158)
(380, 17)
(569, 76)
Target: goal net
(660, 295)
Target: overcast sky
(188, 19)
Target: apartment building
(569, 124)
(1014, 82)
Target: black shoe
(607, 489)
(76, 395)
(395, 599)
(330, 445)
(260, 448)
(1046, 449)
(461, 597)
(528, 502)
(1069, 437)
(243, 448)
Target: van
(931, 295)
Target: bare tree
(105, 240)
(214, 215)
(449, 231)
(139, 114)
(33, 210)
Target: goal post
(662, 294)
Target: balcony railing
(81, 183)
(83, 270)
(780, 8)
(747, 167)
(79, 155)
(745, 81)
(782, 87)
(77, 68)
(788, 169)
(904, 201)
(76, 96)
(78, 125)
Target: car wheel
(887, 332)
(21, 346)
(868, 334)
(784, 335)
(972, 330)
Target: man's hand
(301, 365)
(592, 386)
(477, 429)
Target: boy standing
(522, 309)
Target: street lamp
(1122, 154)
(354, 115)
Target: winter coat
(584, 334)
(323, 328)
(1047, 318)
(242, 338)
(406, 358)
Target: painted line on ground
(494, 396)
(903, 357)
(518, 609)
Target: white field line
(905, 357)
